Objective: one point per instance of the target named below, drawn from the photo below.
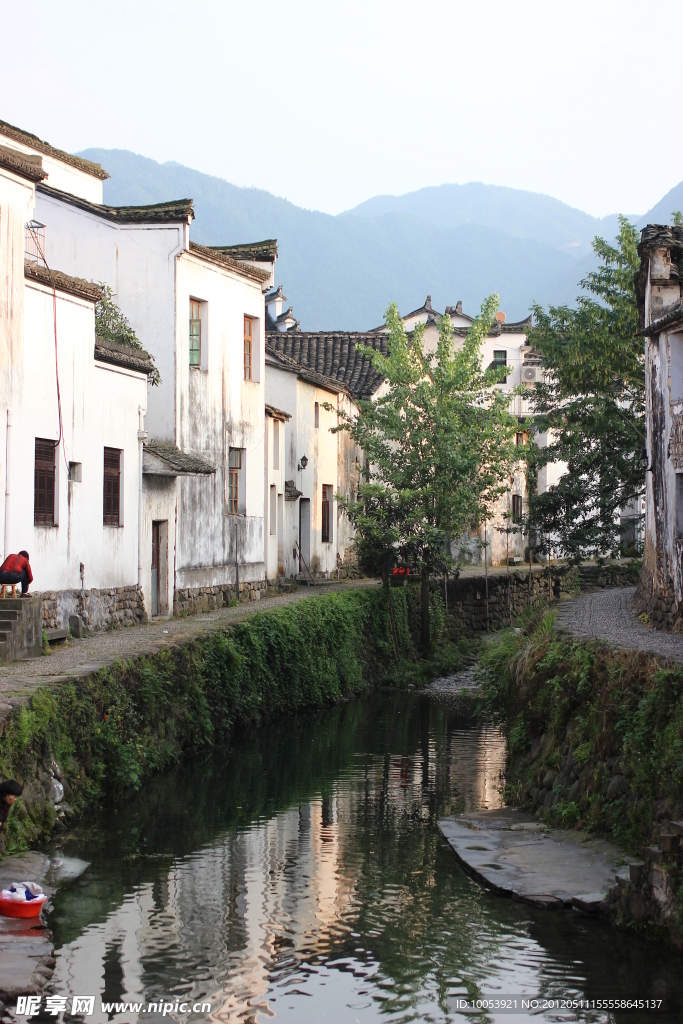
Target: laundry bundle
(22, 892)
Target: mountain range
(454, 242)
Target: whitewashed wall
(217, 409)
(61, 175)
(274, 476)
(99, 409)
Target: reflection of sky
(345, 908)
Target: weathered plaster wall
(137, 261)
(217, 409)
(99, 408)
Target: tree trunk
(425, 640)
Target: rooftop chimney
(458, 307)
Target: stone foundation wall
(99, 609)
(658, 602)
(195, 600)
(467, 596)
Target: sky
(329, 103)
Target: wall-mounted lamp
(645, 462)
(303, 462)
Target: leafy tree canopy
(438, 441)
(591, 406)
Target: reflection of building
(231, 922)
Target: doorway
(160, 567)
(304, 532)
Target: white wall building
(71, 410)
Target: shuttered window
(112, 486)
(44, 483)
(516, 507)
(327, 514)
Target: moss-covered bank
(595, 741)
(110, 731)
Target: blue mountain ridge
(341, 272)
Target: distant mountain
(452, 242)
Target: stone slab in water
(518, 856)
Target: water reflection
(300, 877)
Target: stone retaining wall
(195, 600)
(99, 609)
(467, 596)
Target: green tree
(112, 325)
(438, 441)
(591, 406)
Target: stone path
(610, 615)
(518, 856)
(79, 658)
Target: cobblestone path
(82, 657)
(610, 615)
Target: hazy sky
(329, 103)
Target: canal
(300, 877)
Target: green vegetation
(593, 403)
(111, 731)
(112, 325)
(439, 442)
(595, 735)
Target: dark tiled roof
(334, 355)
(277, 414)
(9, 131)
(674, 315)
(498, 328)
(112, 352)
(277, 294)
(62, 282)
(203, 252)
(288, 314)
(179, 463)
(261, 252)
(426, 308)
(156, 213)
(283, 362)
(27, 166)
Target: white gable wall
(61, 175)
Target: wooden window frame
(327, 507)
(234, 469)
(248, 348)
(44, 482)
(111, 487)
(195, 334)
(517, 506)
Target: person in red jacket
(16, 569)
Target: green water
(299, 876)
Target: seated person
(16, 569)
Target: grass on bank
(595, 735)
(112, 730)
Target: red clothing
(17, 563)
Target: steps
(21, 628)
